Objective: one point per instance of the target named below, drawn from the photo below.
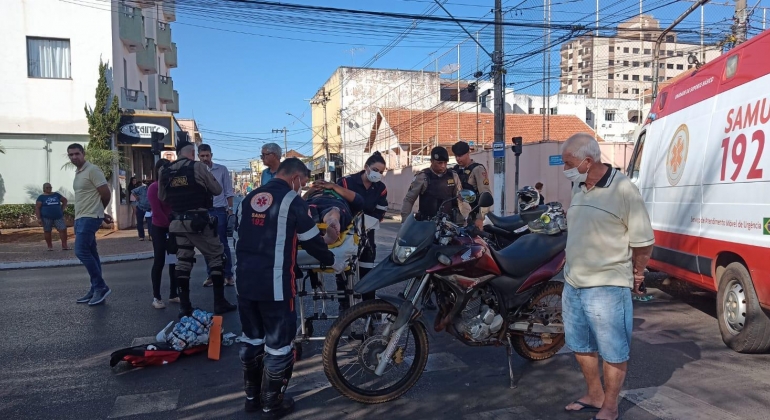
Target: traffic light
(517, 145)
(157, 142)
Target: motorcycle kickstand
(509, 350)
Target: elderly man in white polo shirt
(610, 241)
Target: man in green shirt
(92, 195)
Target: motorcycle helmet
(528, 198)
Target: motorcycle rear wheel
(531, 346)
(342, 329)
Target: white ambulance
(702, 164)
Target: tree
(102, 121)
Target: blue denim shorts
(599, 319)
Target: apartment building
(621, 66)
(49, 72)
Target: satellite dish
(449, 68)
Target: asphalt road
(54, 363)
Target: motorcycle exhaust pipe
(537, 328)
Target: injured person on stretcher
(334, 206)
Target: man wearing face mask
(368, 184)
(189, 188)
(473, 176)
(271, 222)
(610, 241)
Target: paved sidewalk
(121, 245)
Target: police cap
(439, 154)
(460, 148)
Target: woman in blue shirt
(49, 209)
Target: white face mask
(373, 176)
(295, 185)
(574, 174)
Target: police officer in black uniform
(434, 186)
(368, 184)
(189, 188)
(473, 176)
(270, 222)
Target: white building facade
(49, 72)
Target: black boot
(221, 305)
(275, 403)
(252, 383)
(183, 290)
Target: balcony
(163, 36)
(169, 10)
(165, 89)
(173, 106)
(131, 27)
(170, 57)
(146, 57)
(132, 99)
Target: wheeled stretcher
(352, 241)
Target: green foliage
(104, 159)
(20, 212)
(102, 121)
(34, 191)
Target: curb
(75, 261)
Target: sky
(243, 68)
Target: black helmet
(528, 198)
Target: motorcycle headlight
(402, 253)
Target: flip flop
(583, 407)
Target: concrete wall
(534, 168)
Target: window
(609, 115)
(647, 37)
(680, 66)
(625, 90)
(570, 68)
(589, 115)
(612, 62)
(48, 58)
(635, 64)
(661, 65)
(611, 76)
(625, 63)
(612, 49)
(670, 53)
(731, 67)
(580, 52)
(670, 66)
(580, 65)
(680, 53)
(531, 110)
(553, 111)
(580, 91)
(636, 50)
(648, 78)
(542, 111)
(625, 77)
(570, 56)
(669, 38)
(635, 77)
(689, 67)
(646, 64)
(125, 74)
(660, 78)
(669, 78)
(635, 91)
(647, 51)
(625, 50)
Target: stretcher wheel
(297, 351)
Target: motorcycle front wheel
(353, 347)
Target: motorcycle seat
(529, 253)
(508, 223)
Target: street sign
(498, 149)
(555, 160)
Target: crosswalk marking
(669, 404)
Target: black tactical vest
(465, 176)
(439, 189)
(183, 193)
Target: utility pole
(741, 22)
(323, 100)
(285, 142)
(499, 111)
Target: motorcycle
(504, 230)
(377, 350)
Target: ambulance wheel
(743, 324)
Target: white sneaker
(158, 304)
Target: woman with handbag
(161, 217)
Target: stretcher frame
(319, 295)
